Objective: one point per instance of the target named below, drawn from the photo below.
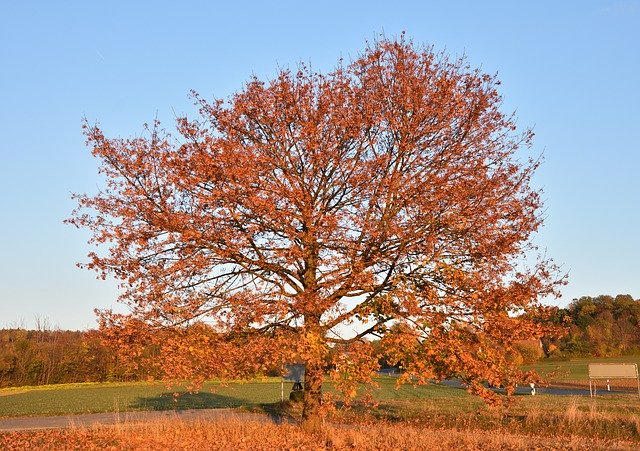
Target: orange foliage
(385, 192)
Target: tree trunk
(312, 398)
(314, 374)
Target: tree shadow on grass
(204, 400)
(282, 412)
(186, 400)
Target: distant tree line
(40, 357)
(602, 326)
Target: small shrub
(529, 350)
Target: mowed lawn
(402, 402)
(574, 370)
(438, 407)
(109, 397)
(114, 397)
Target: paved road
(551, 390)
(92, 419)
(566, 390)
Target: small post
(533, 388)
(608, 386)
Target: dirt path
(112, 418)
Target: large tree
(386, 198)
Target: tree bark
(312, 398)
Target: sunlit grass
(108, 397)
(614, 417)
(402, 401)
(242, 434)
(574, 369)
(90, 398)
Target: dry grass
(572, 413)
(242, 434)
(540, 416)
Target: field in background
(255, 395)
(108, 397)
(575, 371)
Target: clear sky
(571, 69)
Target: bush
(529, 350)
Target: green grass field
(616, 416)
(611, 417)
(401, 402)
(90, 398)
(109, 397)
(574, 369)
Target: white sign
(613, 371)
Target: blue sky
(570, 69)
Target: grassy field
(427, 417)
(241, 435)
(574, 370)
(91, 398)
(95, 397)
(256, 436)
(108, 397)
(613, 418)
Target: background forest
(602, 326)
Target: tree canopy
(601, 326)
(385, 198)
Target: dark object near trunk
(297, 393)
